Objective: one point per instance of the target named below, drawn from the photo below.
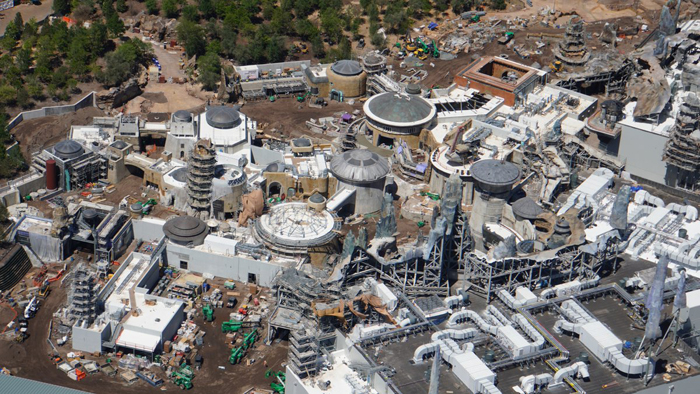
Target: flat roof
(154, 317)
(474, 71)
(138, 340)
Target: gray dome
(399, 108)
(359, 165)
(527, 208)
(275, 167)
(68, 149)
(182, 116)
(185, 229)
(562, 226)
(119, 144)
(413, 88)
(373, 59)
(495, 176)
(180, 174)
(346, 67)
(223, 117)
(89, 215)
(302, 142)
(317, 198)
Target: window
(252, 278)
(183, 264)
(182, 146)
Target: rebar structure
(200, 172)
(572, 49)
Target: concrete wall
(368, 197)
(642, 152)
(229, 267)
(87, 101)
(171, 329)
(148, 229)
(89, 341)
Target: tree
(206, 7)
(121, 6)
(19, 22)
(498, 4)
(442, 5)
(317, 47)
(209, 67)
(61, 7)
(190, 13)
(24, 60)
(152, 7)
(378, 41)
(331, 24)
(305, 29)
(115, 25)
(170, 8)
(192, 38)
(8, 95)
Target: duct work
(466, 365)
(535, 383)
(598, 339)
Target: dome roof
(179, 174)
(302, 142)
(527, 208)
(185, 229)
(317, 198)
(182, 116)
(119, 144)
(562, 226)
(399, 109)
(359, 165)
(68, 149)
(276, 167)
(346, 67)
(223, 117)
(413, 88)
(495, 173)
(373, 59)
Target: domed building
(361, 173)
(347, 78)
(392, 117)
(227, 129)
(186, 230)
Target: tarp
(48, 249)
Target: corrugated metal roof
(14, 384)
(359, 165)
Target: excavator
(303, 97)
(556, 66)
(208, 313)
(234, 326)
(237, 353)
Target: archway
(275, 188)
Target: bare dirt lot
(36, 134)
(288, 116)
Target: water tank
(489, 356)
(683, 233)
(90, 216)
(51, 178)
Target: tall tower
(493, 180)
(200, 172)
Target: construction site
(499, 202)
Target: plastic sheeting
(679, 302)
(48, 249)
(655, 300)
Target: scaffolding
(572, 49)
(200, 172)
(82, 296)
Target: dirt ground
(36, 134)
(28, 11)
(30, 359)
(287, 116)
